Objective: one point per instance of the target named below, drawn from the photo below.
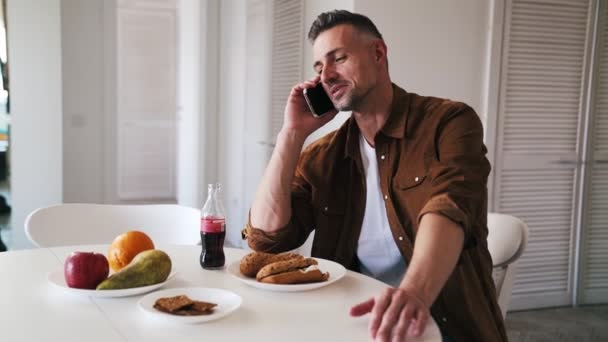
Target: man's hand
(396, 313)
(298, 118)
(405, 310)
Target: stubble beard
(345, 103)
(351, 100)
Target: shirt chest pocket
(412, 189)
(410, 179)
(413, 171)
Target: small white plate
(57, 279)
(226, 301)
(336, 272)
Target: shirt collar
(394, 127)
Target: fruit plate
(336, 272)
(57, 280)
(227, 302)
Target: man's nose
(328, 75)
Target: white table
(33, 310)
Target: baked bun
(300, 276)
(293, 271)
(253, 262)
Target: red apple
(85, 270)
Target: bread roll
(253, 262)
(296, 277)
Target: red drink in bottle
(213, 230)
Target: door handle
(600, 161)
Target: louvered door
(594, 257)
(539, 155)
(288, 38)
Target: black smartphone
(318, 100)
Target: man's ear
(379, 50)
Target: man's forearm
(438, 245)
(271, 208)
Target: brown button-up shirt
(431, 159)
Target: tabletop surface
(31, 309)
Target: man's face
(344, 58)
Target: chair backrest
(507, 239)
(75, 224)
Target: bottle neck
(214, 192)
(213, 207)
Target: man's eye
(319, 71)
(341, 59)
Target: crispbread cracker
(172, 304)
(198, 308)
(203, 306)
(183, 306)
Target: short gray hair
(327, 20)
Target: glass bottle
(213, 229)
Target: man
(397, 193)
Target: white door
(146, 67)
(594, 256)
(538, 149)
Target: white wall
(435, 48)
(34, 37)
(83, 87)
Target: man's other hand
(396, 313)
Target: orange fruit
(126, 246)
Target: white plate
(57, 279)
(336, 271)
(226, 301)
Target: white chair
(507, 239)
(76, 224)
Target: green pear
(147, 268)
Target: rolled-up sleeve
(301, 223)
(459, 173)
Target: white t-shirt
(377, 251)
